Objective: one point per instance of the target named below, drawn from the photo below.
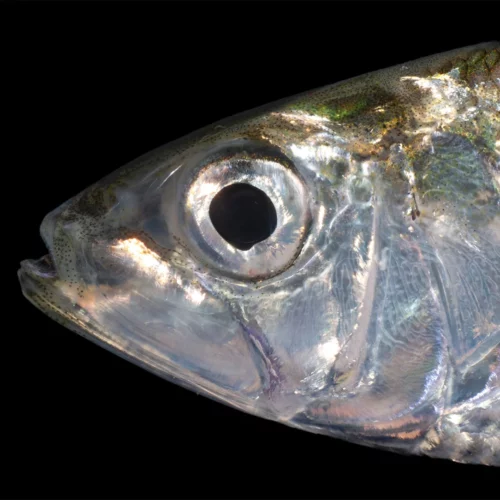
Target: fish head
(249, 260)
(183, 260)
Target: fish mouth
(42, 268)
(39, 276)
(43, 287)
(39, 283)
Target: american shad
(330, 261)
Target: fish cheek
(161, 312)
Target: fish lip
(42, 268)
(42, 287)
(36, 276)
(39, 284)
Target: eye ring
(260, 167)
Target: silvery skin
(371, 310)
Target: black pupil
(243, 215)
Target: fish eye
(243, 215)
(246, 210)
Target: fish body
(366, 305)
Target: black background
(96, 85)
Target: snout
(36, 276)
(41, 278)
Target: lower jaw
(41, 285)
